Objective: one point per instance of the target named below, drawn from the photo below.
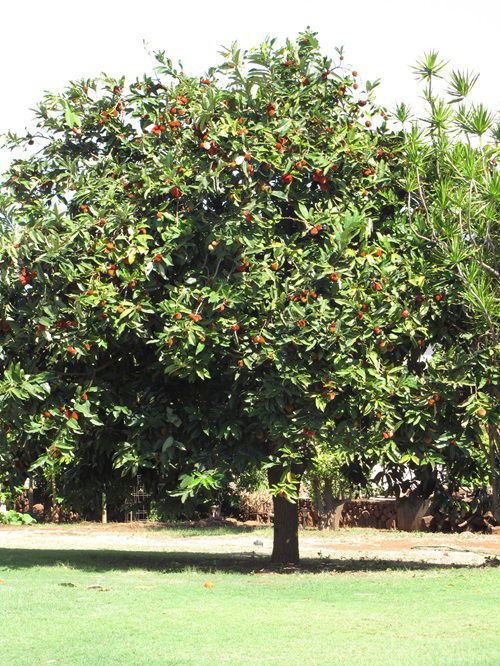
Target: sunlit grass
(93, 607)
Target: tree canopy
(204, 275)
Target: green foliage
(453, 206)
(12, 517)
(201, 276)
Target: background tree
(453, 201)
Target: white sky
(45, 44)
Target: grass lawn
(72, 607)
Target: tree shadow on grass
(178, 562)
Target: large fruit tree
(199, 276)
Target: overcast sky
(45, 44)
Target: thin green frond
(429, 66)
(460, 84)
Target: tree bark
(54, 508)
(318, 501)
(494, 455)
(104, 508)
(409, 511)
(30, 496)
(286, 524)
(328, 501)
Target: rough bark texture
(494, 455)
(410, 511)
(318, 501)
(330, 504)
(494, 460)
(30, 496)
(286, 525)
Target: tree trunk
(286, 524)
(54, 509)
(494, 456)
(409, 511)
(318, 501)
(30, 496)
(329, 502)
(104, 508)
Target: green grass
(154, 609)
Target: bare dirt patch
(352, 544)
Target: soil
(344, 544)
